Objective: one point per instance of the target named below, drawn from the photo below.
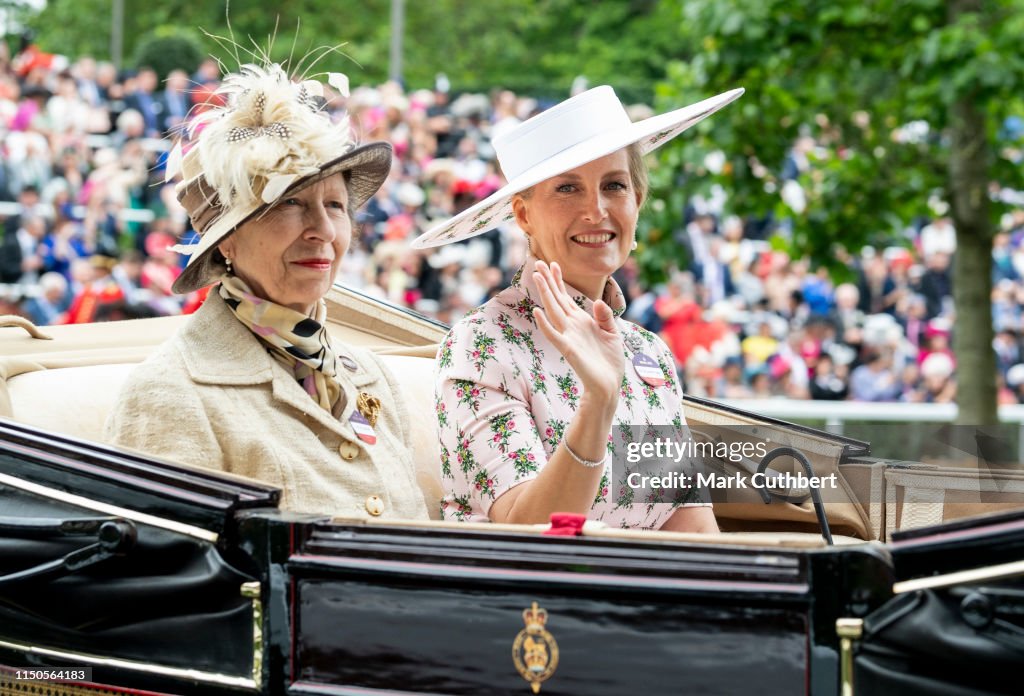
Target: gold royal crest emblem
(535, 652)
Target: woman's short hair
(638, 170)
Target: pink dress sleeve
(489, 441)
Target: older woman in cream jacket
(253, 384)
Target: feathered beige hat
(271, 139)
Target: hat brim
(496, 209)
(369, 166)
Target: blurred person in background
(176, 100)
(161, 268)
(938, 384)
(874, 380)
(817, 292)
(1007, 349)
(49, 304)
(758, 348)
(100, 289)
(30, 205)
(877, 288)
(59, 249)
(939, 237)
(847, 317)
(21, 254)
(1015, 382)
(730, 384)
(910, 384)
(826, 385)
(936, 285)
(678, 311)
(144, 100)
(936, 340)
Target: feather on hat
(271, 138)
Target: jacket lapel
(222, 351)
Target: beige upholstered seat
(69, 385)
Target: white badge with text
(648, 369)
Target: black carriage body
(224, 594)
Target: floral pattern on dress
(441, 411)
(502, 426)
(468, 393)
(505, 396)
(524, 461)
(482, 350)
(444, 356)
(446, 463)
(570, 393)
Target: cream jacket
(213, 397)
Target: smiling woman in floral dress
(539, 387)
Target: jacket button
(374, 505)
(348, 450)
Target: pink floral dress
(504, 396)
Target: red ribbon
(566, 524)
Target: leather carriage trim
(969, 534)
(375, 565)
(117, 511)
(1002, 571)
(149, 668)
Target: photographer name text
(774, 481)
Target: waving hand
(591, 344)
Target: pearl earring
(227, 262)
(634, 245)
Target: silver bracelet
(585, 462)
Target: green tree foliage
(165, 52)
(853, 75)
(534, 46)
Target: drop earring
(227, 263)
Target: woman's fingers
(555, 314)
(552, 334)
(556, 272)
(556, 286)
(604, 316)
(563, 296)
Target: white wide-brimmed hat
(577, 131)
(270, 140)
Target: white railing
(837, 413)
(9, 208)
(834, 413)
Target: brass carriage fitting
(251, 590)
(848, 631)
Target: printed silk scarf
(298, 342)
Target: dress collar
(612, 294)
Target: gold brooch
(535, 652)
(369, 406)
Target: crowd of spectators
(87, 219)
